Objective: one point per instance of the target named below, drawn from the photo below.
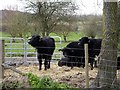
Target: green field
(4, 34)
(18, 45)
(71, 37)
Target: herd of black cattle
(73, 53)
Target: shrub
(45, 83)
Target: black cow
(45, 48)
(74, 52)
(94, 46)
(73, 55)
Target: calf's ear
(29, 38)
(79, 43)
(60, 63)
(89, 41)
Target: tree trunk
(43, 34)
(118, 20)
(65, 38)
(47, 33)
(108, 56)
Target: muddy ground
(74, 77)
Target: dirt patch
(74, 77)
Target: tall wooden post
(86, 66)
(1, 59)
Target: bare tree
(49, 14)
(93, 26)
(16, 23)
(67, 25)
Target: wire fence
(109, 67)
(17, 50)
(72, 59)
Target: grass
(3, 34)
(73, 36)
(45, 83)
(18, 45)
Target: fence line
(86, 63)
(26, 50)
(3, 65)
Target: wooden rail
(2, 65)
(1, 59)
(86, 66)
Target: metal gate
(17, 50)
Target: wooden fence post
(1, 59)
(86, 66)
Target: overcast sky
(86, 6)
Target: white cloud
(90, 6)
(86, 6)
(14, 4)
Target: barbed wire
(81, 48)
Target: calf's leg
(46, 64)
(49, 60)
(91, 64)
(95, 64)
(40, 64)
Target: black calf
(45, 48)
(74, 52)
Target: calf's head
(63, 62)
(34, 40)
(83, 40)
